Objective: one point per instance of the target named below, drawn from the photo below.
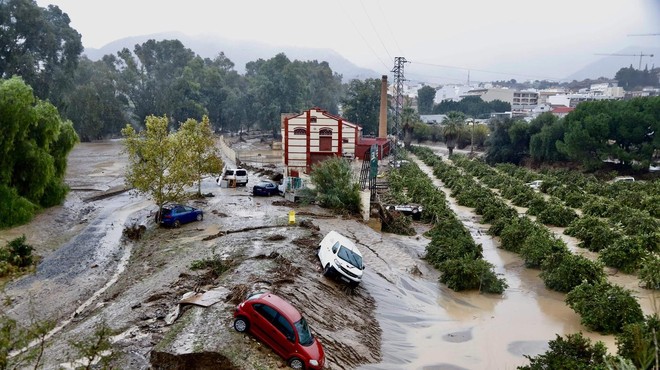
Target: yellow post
(292, 217)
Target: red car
(277, 323)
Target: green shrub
(564, 271)
(15, 210)
(649, 273)
(493, 210)
(538, 246)
(514, 234)
(575, 352)
(594, 234)
(467, 274)
(556, 214)
(604, 307)
(637, 342)
(625, 254)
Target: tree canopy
(39, 45)
(34, 145)
(624, 131)
(425, 100)
(472, 106)
(361, 104)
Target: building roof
(562, 109)
(373, 140)
(326, 114)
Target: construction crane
(630, 55)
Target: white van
(339, 256)
(234, 177)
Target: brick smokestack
(382, 120)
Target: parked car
(278, 324)
(178, 214)
(536, 184)
(414, 210)
(624, 179)
(237, 176)
(266, 188)
(339, 256)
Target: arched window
(312, 119)
(299, 131)
(325, 132)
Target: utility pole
(398, 101)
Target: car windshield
(304, 334)
(350, 256)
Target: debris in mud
(134, 231)
(275, 237)
(201, 361)
(219, 214)
(415, 271)
(223, 233)
(309, 225)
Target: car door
(188, 214)
(265, 328)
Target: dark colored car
(278, 324)
(265, 188)
(178, 214)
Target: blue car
(178, 214)
(265, 188)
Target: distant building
(433, 119)
(519, 100)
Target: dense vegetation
(34, 144)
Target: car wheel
(241, 325)
(296, 363)
(327, 271)
(177, 223)
(200, 217)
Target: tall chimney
(382, 120)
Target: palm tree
(409, 117)
(452, 128)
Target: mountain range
(242, 52)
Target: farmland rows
(583, 280)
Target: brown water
(428, 326)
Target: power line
(362, 36)
(374, 29)
(389, 29)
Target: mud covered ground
(90, 275)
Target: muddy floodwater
(424, 325)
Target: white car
(339, 256)
(536, 185)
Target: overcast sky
(515, 38)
